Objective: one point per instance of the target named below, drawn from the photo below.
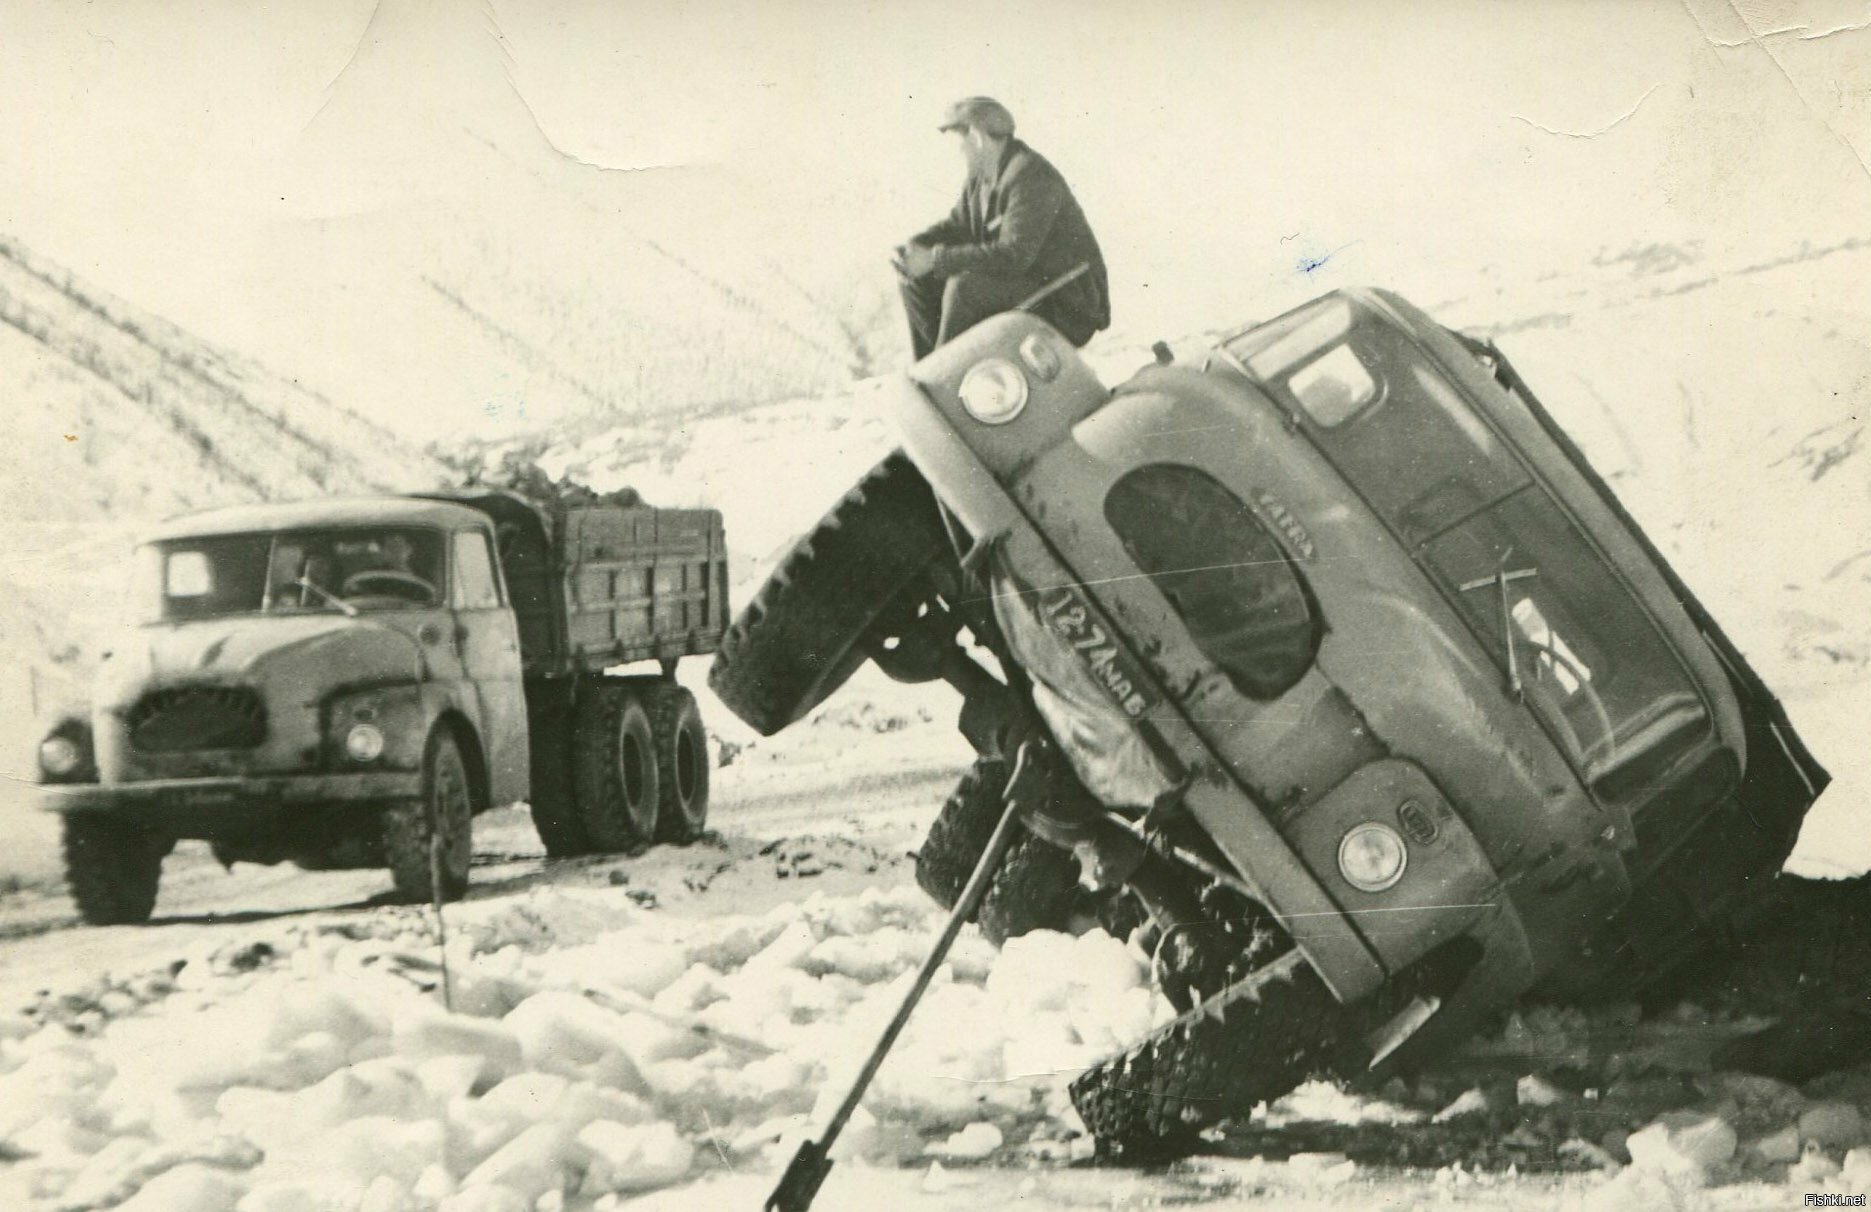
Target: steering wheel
(1609, 741)
(388, 582)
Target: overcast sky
(1396, 134)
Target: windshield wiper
(1499, 581)
(305, 582)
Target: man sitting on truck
(1016, 230)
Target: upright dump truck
(346, 683)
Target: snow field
(332, 1078)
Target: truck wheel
(447, 801)
(802, 635)
(681, 764)
(1252, 1042)
(1036, 885)
(618, 788)
(554, 795)
(112, 869)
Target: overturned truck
(346, 683)
(1352, 691)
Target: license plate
(1070, 618)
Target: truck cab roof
(304, 515)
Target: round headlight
(59, 755)
(993, 392)
(364, 743)
(1371, 857)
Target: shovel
(800, 1184)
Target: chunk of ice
(534, 1162)
(972, 1143)
(567, 1034)
(422, 1032)
(626, 1157)
(190, 1188)
(1683, 1145)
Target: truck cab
(1331, 653)
(345, 683)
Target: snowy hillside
(116, 418)
(421, 250)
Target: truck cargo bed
(596, 585)
(642, 583)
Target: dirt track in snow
(836, 831)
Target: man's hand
(915, 260)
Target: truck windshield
(1571, 638)
(375, 568)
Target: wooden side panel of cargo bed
(643, 583)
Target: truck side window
(1334, 387)
(1222, 571)
(476, 587)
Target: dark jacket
(1024, 223)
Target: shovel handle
(965, 905)
(800, 1183)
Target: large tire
(112, 868)
(681, 764)
(1252, 1042)
(1034, 888)
(802, 635)
(447, 805)
(554, 796)
(618, 787)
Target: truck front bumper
(183, 804)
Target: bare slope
(115, 417)
(422, 250)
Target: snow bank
(594, 1050)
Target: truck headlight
(59, 755)
(364, 743)
(993, 391)
(1371, 857)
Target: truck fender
(473, 753)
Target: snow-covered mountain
(421, 250)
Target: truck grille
(197, 717)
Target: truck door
(489, 643)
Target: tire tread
(793, 643)
(673, 711)
(112, 868)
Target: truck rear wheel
(447, 806)
(802, 635)
(681, 764)
(112, 868)
(554, 796)
(616, 772)
(1036, 885)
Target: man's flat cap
(985, 114)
